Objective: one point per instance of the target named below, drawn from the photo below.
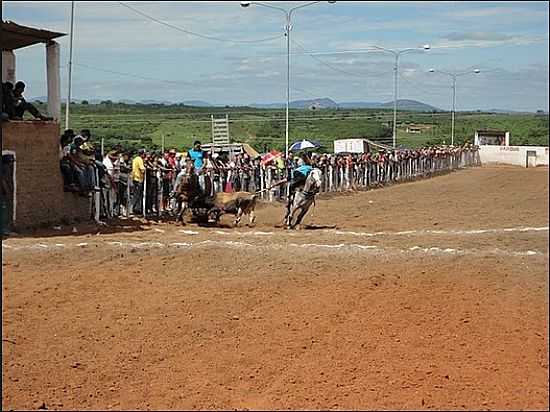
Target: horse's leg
(181, 208)
(184, 208)
(303, 210)
(252, 218)
(294, 208)
(288, 216)
(289, 203)
(293, 221)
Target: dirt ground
(425, 295)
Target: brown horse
(187, 189)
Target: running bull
(188, 195)
(237, 203)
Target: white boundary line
(373, 234)
(443, 232)
(337, 247)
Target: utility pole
(70, 68)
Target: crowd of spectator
(134, 183)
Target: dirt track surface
(426, 295)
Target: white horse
(303, 199)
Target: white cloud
(114, 38)
(514, 14)
(512, 40)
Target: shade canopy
(270, 157)
(303, 145)
(15, 36)
(249, 150)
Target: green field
(135, 126)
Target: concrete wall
(513, 155)
(39, 195)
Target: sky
(222, 53)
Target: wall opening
(531, 158)
(8, 190)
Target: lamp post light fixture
(454, 76)
(396, 54)
(288, 27)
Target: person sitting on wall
(21, 105)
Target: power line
(133, 75)
(325, 63)
(204, 36)
(313, 55)
(411, 84)
(314, 96)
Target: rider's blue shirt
(304, 169)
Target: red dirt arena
(425, 295)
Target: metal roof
(15, 36)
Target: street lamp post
(288, 28)
(396, 54)
(70, 68)
(454, 76)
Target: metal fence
(340, 173)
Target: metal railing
(340, 173)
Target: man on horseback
(299, 177)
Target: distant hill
(412, 105)
(326, 103)
(323, 103)
(360, 105)
(166, 102)
(197, 103)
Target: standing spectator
(151, 192)
(138, 176)
(122, 199)
(113, 173)
(69, 182)
(167, 167)
(208, 172)
(217, 173)
(257, 164)
(246, 173)
(197, 155)
(81, 165)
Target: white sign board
(351, 146)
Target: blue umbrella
(304, 144)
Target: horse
(303, 199)
(187, 190)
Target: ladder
(220, 130)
